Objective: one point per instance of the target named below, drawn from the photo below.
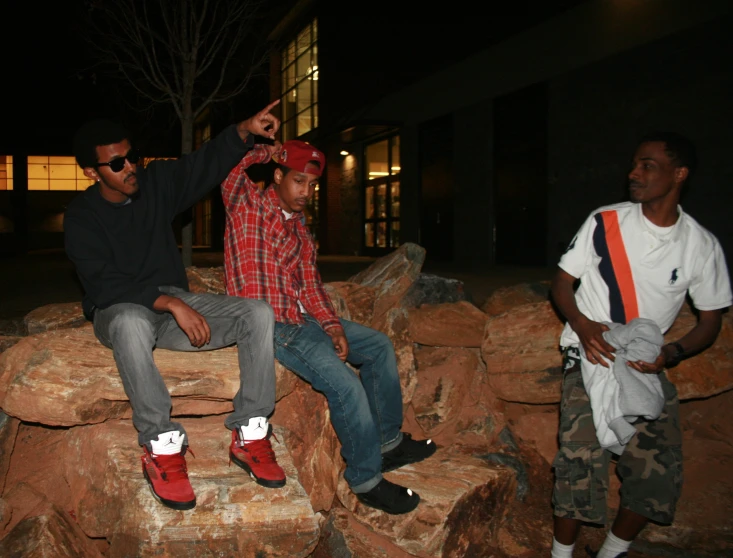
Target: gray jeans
(133, 331)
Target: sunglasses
(116, 165)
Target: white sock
(613, 546)
(168, 443)
(560, 550)
(255, 430)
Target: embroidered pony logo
(673, 278)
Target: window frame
(293, 55)
(392, 178)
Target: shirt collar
(274, 199)
(676, 228)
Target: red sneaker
(167, 476)
(258, 459)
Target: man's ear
(90, 172)
(681, 174)
(278, 176)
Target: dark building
(498, 157)
(486, 139)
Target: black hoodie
(124, 252)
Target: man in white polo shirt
(636, 259)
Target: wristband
(677, 357)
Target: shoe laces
(172, 467)
(260, 450)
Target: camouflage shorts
(650, 467)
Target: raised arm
(189, 178)
(261, 124)
(237, 184)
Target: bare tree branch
(188, 54)
(178, 52)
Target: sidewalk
(46, 276)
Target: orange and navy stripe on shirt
(615, 268)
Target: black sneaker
(408, 451)
(391, 498)
(594, 553)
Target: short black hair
(680, 149)
(93, 133)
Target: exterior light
(344, 152)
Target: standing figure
(636, 259)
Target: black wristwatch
(677, 357)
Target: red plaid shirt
(267, 256)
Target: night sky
(43, 59)
(50, 84)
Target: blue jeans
(132, 331)
(366, 409)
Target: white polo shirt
(628, 267)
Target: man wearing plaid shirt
(270, 255)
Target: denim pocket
(286, 333)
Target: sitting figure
(119, 236)
(270, 255)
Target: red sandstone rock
(313, 444)
(523, 360)
(343, 535)
(447, 380)
(463, 501)
(6, 512)
(506, 298)
(54, 316)
(710, 372)
(392, 276)
(206, 279)
(358, 299)
(535, 426)
(25, 498)
(96, 473)
(455, 324)
(66, 377)
(395, 323)
(51, 535)
(522, 356)
(7, 341)
(465, 511)
(8, 432)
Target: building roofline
(290, 18)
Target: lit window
(6, 172)
(300, 83)
(56, 173)
(382, 194)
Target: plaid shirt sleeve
(238, 184)
(312, 294)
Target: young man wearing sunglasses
(118, 234)
(270, 255)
